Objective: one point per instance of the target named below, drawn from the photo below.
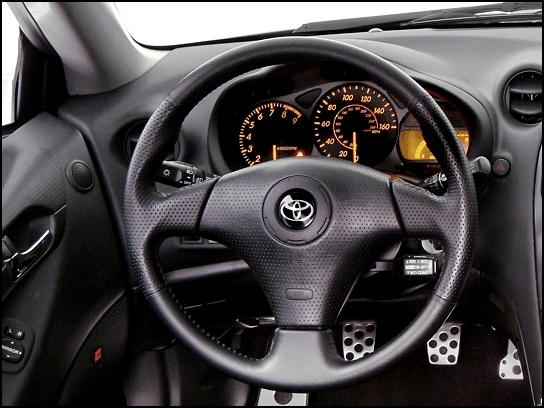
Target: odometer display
(355, 122)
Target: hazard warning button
(500, 167)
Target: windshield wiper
(492, 13)
(526, 12)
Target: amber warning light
(97, 354)
(286, 151)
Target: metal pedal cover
(510, 367)
(269, 398)
(358, 338)
(443, 347)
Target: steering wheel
(306, 227)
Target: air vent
(523, 97)
(133, 135)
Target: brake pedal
(269, 398)
(443, 347)
(358, 338)
(510, 366)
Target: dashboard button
(12, 351)
(500, 167)
(14, 333)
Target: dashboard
(323, 110)
(486, 80)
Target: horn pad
(297, 210)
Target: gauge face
(355, 122)
(413, 147)
(273, 130)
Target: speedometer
(355, 122)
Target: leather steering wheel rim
(303, 356)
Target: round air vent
(523, 97)
(133, 134)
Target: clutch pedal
(358, 338)
(269, 398)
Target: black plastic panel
(471, 68)
(67, 293)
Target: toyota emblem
(296, 212)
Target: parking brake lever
(438, 183)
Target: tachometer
(355, 122)
(273, 130)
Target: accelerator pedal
(510, 366)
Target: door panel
(65, 272)
(33, 210)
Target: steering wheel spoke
(309, 354)
(156, 216)
(421, 211)
(179, 213)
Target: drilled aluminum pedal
(443, 347)
(510, 366)
(358, 338)
(269, 398)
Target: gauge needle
(273, 152)
(354, 147)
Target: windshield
(163, 24)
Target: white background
(186, 22)
(170, 23)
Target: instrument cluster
(322, 111)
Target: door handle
(26, 259)
(21, 261)
(16, 262)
